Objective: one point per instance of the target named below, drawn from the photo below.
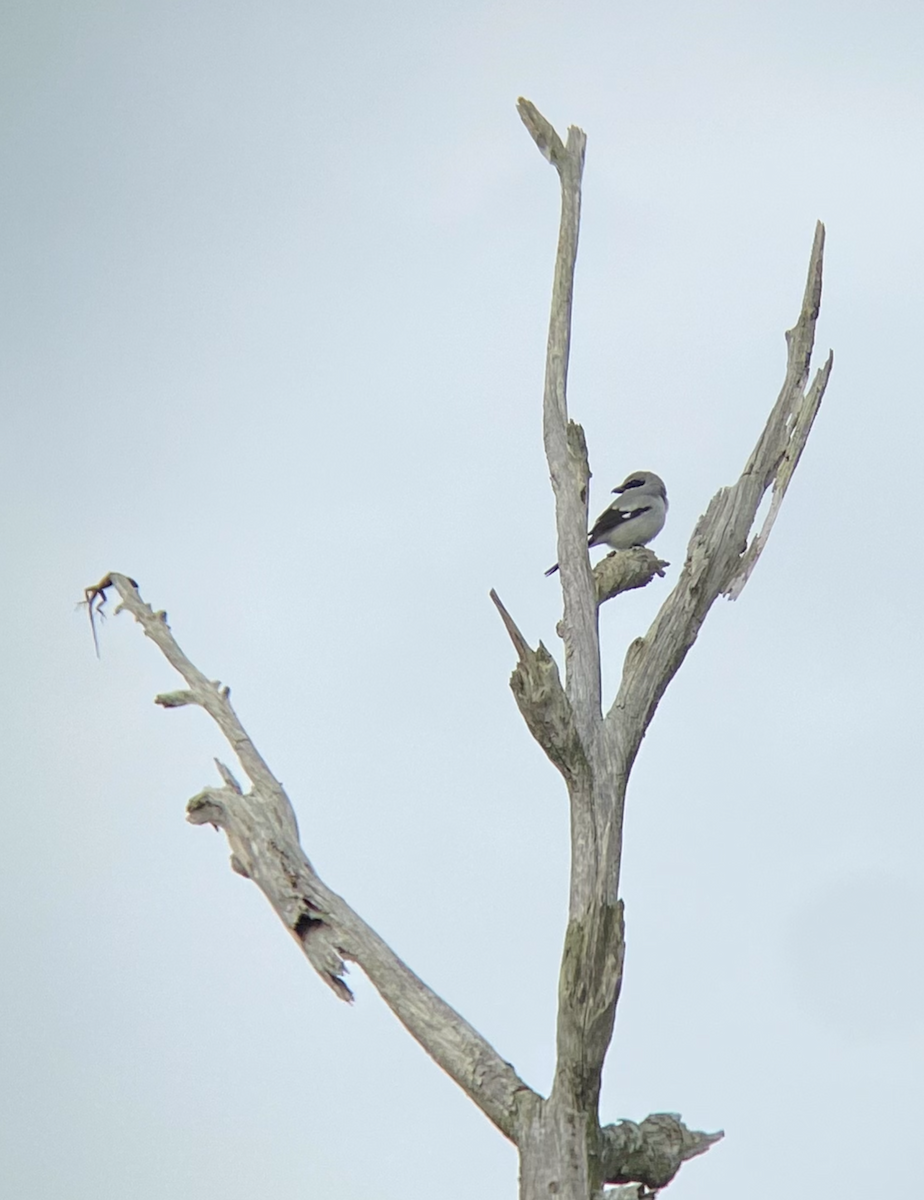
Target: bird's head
(645, 481)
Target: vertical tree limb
(591, 968)
(565, 448)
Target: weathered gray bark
(564, 1152)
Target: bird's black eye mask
(631, 484)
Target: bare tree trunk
(557, 1155)
(564, 1152)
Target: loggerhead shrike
(634, 518)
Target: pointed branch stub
(540, 697)
(651, 1152)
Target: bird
(634, 518)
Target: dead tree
(564, 1151)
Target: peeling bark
(263, 837)
(651, 1153)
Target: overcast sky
(275, 288)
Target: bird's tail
(552, 570)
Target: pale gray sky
(275, 286)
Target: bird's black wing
(608, 520)
(611, 518)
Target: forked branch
(719, 558)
